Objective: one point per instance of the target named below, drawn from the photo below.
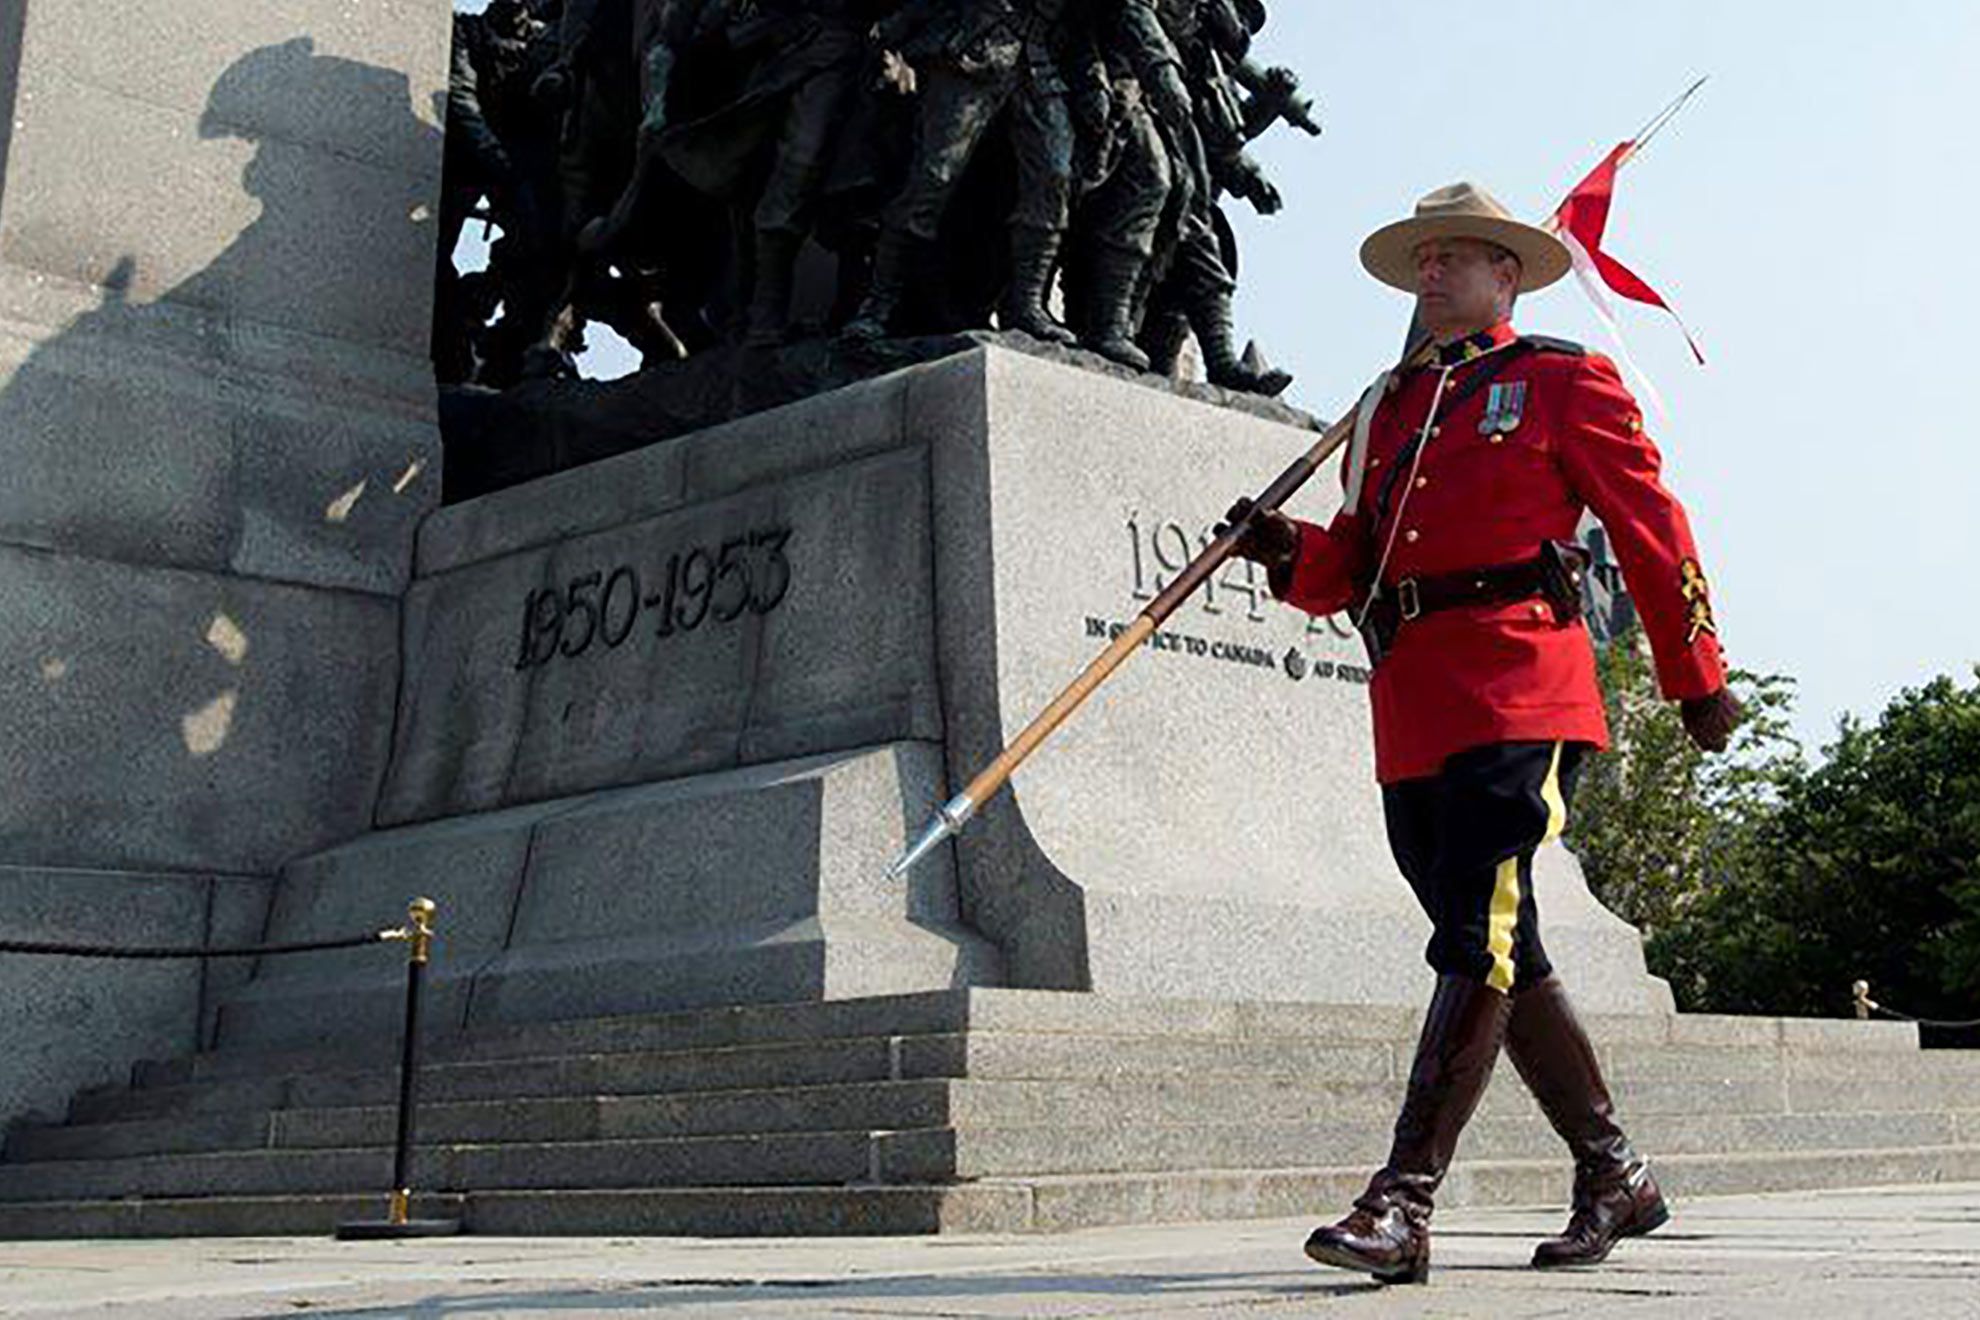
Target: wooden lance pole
(952, 815)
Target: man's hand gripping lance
(956, 812)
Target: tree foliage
(1764, 885)
(1869, 868)
(1657, 821)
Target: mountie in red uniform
(1469, 474)
(1528, 433)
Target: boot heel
(1652, 1221)
(1417, 1273)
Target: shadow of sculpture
(216, 434)
(217, 444)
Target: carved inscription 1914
(1236, 594)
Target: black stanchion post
(398, 1221)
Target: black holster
(1557, 575)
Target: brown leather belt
(1556, 574)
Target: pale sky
(1805, 213)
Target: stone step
(719, 1028)
(880, 1105)
(890, 1105)
(865, 1106)
(699, 1212)
(853, 1059)
(746, 1067)
(923, 1155)
(1806, 1081)
(948, 1154)
(770, 1159)
(1216, 1099)
(993, 1009)
(996, 1054)
(1017, 1205)
(1070, 1202)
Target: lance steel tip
(949, 819)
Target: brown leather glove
(1710, 720)
(1271, 539)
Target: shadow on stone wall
(216, 435)
(122, 434)
(221, 471)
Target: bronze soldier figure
(500, 146)
(1125, 178)
(594, 86)
(1195, 283)
(766, 133)
(974, 59)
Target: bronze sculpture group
(659, 166)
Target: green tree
(1657, 823)
(1870, 867)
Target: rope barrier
(253, 951)
(1867, 1007)
(418, 937)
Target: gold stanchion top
(420, 912)
(419, 932)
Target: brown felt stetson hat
(1463, 210)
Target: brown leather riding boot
(1388, 1233)
(1614, 1195)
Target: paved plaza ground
(1910, 1252)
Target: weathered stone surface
(496, 441)
(71, 1022)
(815, 639)
(1208, 828)
(237, 913)
(751, 886)
(472, 868)
(130, 434)
(159, 719)
(1092, 1107)
(216, 420)
(220, 175)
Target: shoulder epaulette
(1549, 344)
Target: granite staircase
(975, 1110)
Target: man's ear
(1513, 273)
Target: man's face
(1463, 285)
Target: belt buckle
(1408, 603)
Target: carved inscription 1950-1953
(697, 586)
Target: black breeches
(1465, 840)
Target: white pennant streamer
(1605, 312)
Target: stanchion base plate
(383, 1230)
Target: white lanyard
(1409, 483)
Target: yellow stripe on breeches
(1506, 888)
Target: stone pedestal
(892, 577)
(217, 430)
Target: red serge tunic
(1483, 496)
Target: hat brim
(1389, 254)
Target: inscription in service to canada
(698, 587)
(1237, 592)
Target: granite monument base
(745, 886)
(218, 435)
(614, 677)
